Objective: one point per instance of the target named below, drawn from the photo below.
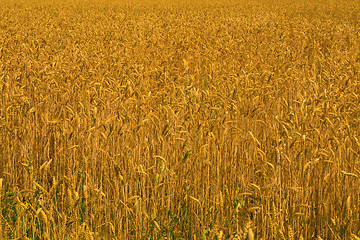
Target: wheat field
(180, 119)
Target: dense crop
(180, 120)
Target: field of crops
(180, 119)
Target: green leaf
(10, 194)
(187, 154)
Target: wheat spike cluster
(178, 119)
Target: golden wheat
(179, 120)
